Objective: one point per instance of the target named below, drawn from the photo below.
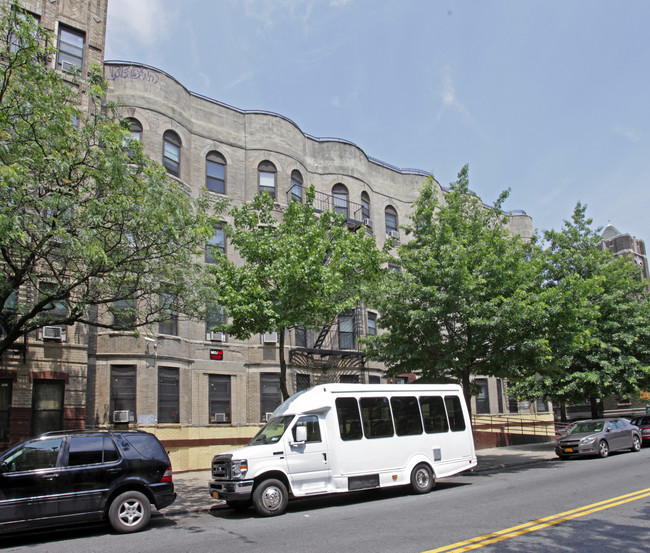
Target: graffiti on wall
(132, 72)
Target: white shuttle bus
(344, 437)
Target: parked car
(73, 476)
(644, 426)
(598, 437)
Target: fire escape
(322, 354)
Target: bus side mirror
(301, 434)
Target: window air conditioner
(267, 416)
(121, 416)
(218, 417)
(368, 222)
(55, 333)
(216, 336)
(68, 67)
(270, 338)
(393, 233)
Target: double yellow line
(540, 524)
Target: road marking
(540, 524)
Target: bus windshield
(272, 431)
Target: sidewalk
(193, 495)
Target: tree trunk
(283, 366)
(596, 408)
(563, 415)
(467, 391)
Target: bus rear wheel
(422, 479)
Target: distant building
(620, 243)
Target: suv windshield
(272, 431)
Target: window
(395, 267)
(347, 412)
(216, 315)
(170, 325)
(168, 394)
(375, 413)
(301, 336)
(349, 379)
(47, 406)
(346, 330)
(135, 128)
(172, 153)
(310, 422)
(296, 186)
(71, 49)
(91, 450)
(219, 398)
(391, 221)
(433, 414)
(302, 382)
(365, 205)
(542, 406)
(483, 398)
(270, 396)
(216, 246)
(123, 387)
(513, 405)
(41, 454)
(124, 314)
(14, 41)
(340, 194)
(374, 380)
(5, 407)
(267, 172)
(56, 309)
(407, 416)
(215, 172)
(372, 324)
(455, 413)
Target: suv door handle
(51, 476)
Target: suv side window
(91, 450)
(40, 454)
(145, 446)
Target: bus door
(308, 460)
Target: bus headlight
(239, 468)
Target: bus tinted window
(377, 421)
(407, 416)
(455, 411)
(347, 411)
(433, 414)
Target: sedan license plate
(568, 450)
(215, 495)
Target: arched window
(340, 193)
(215, 172)
(172, 153)
(267, 172)
(296, 186)
(365, 206)
(135, 127)
(391, 222)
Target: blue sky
(548, 98)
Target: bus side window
(407, 416)
(377, 420)
(433, 414)
(347, 411)
(455, 412)
(313, 428)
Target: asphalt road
(581, 505)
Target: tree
(299, 271)
(86, 219)
(597, 322)
(460, 306)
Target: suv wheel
(129, 512)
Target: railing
(524, 424)
(327, 202)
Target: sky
(547, 98)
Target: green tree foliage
(299, 271)
(597, 322)
(460, 306)
(86, 219)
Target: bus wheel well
(276, 474)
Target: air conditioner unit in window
(55, 333)
(368, 222)
(216, 336)
(218, 417)
(393, 233)
(267, 416)
(121, 416)
(69, 67)
(270, 338)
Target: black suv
(72, 476)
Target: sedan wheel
(636, 443)
(603, 449)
